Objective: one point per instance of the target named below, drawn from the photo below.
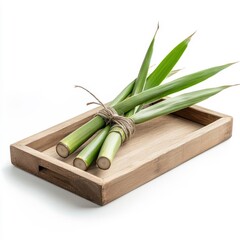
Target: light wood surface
(157, 147)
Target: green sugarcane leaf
(167, 64)
(143, 72)
(190, 80)
(176, 103)
(166, 89)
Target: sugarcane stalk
(84, 159)
(75, 139)
(110, 147)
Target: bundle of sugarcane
(138, 102)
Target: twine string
(111, 116)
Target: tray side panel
(202, 116)
(195, 144)
(30, 162)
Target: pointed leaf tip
(235, 85)
(190, 37)
(156, 30)
(229, 64)
(233, 63)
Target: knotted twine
(110, 116)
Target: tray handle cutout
(54, 177)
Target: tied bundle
(141, 100)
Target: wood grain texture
(157, 147)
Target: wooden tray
(157, 147)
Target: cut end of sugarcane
(103, 163)
(62, 150)
(79, 163)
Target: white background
(49, 46)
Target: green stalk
(75, 139)
(143, 72)
(110, 147)
(113, 143)
(84, 159)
